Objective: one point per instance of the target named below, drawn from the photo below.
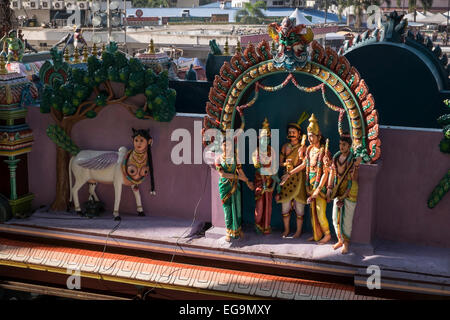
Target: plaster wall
(392, 202)
(178, 187)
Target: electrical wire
(189, 228)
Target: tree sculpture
(444, 184)
(73, 93)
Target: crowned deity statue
(231, 173)
(12, 47)
(343, 190)
(317, 166)
(265, 161)
(293, 192)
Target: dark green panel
(405, 90)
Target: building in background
(34, 13)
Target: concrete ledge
(215, 233)
(412, 283)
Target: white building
(269, 3)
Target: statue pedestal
(217, 217)
(22, 205)
(364, 222)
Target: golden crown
(313, 126)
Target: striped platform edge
(167, 275)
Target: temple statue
(230, 189)
(12, 47)
(343, 188)
(293, 41)
(317, 165)
(293, 193)
(266, 178)
(73, 41)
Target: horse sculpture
(125, 167)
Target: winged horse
(124, 167)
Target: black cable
(190, 227)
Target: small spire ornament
(151, 47)
(238, 47)
(94, 50)
(226, 49)
(66, 55)
(3, 69)
(76, 56)
(85, 54)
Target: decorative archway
(335, 73)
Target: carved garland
(325, 65)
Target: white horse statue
(119, 168)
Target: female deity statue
(230, 190)
(266, 165)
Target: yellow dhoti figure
(316, 163)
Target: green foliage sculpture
(76, 92)
(444, 184)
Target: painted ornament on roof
(292, 43)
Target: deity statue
(317, 165)
(13, 47)
(230, 189)
(73, 41)
(293, 192)
(343, 188)
(266, 178)
(122, 167)
(292, 43)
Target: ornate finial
(103, 48)
(66, 55)
(151, 47)
(313, 125)
(85, 54)
(238, 47)
(94, 50)
(265, 132)
(3, 69)
(76, 56)
(226, 49)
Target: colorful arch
(332, 70)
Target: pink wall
(412, 166)
(178, 187)
(392, 202)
